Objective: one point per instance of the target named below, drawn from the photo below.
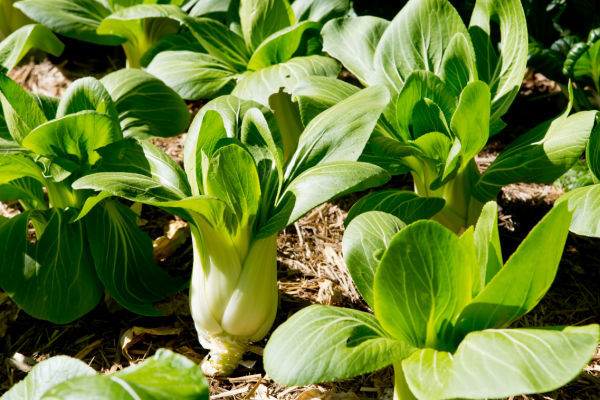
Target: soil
(311, 270)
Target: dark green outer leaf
(141, 157)
(49, 105)
(176, 42)
(368, 235)
(147, 107)
(54, 279)
(319, 10)
(321, 344)
(77, 19)
(407, 206)
(262, 18)
(123, 258)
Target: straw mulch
(311, 270)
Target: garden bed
(311, 270)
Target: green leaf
(316, 94)
(283, 45)
(503, 363)
(21, 112)
(354, 41)
(142, 25)
(262, 18)
(54, 279)
(220, 42)
(528, 273)
(407, 206)
(502, 72)
(86, 94)
(14, 166)
(592, 152)
(318, 185)
(471, 121)
(123, 258)
(77, 19)
(232, 177)
(426, 118)
(541, 155)
(416, 40)
(134, 187)
(136, 95)
(17, 44)
(367, 235)
(458, 65)
(321, 344)
(319, 10)
(166, 375)
(421, 284)
(586, 214)
(49, 105)
(259, 85)
(141, 157)
(193, 75)
(418, 86)
(339, 133)
(204, 137)
(74, 137)
(262, 144)
(47, 374)
(212, 8)
(183, 41)
(24, 189)
(487, 244)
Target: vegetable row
(282, 136)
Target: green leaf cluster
(449, 86)
(443, 306)
(47, 143)
(263, 46)
(135, 24)
(165, 375)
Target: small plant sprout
(443, 309)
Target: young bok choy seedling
(447, 96)
(443, 305)
(47, 143)
(237, 192)
(264, 45)
(134, 24)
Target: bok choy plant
(443, 305)
(134, 24)
(447, 97)
(237, 192)
(165, 375)
(266, 45)
(47, 143)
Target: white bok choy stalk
(238, 194)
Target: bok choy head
(443, 305)
(447, 96)
(238, 192)
(48, 144)
(135, 24)
(262, 47)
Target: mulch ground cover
(311, 270)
